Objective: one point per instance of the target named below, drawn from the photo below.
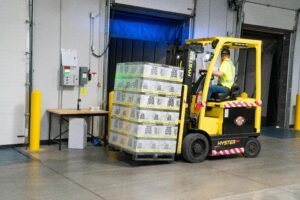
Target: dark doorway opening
(275, 58)
(142, 35)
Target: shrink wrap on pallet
(146, 106)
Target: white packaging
(120, 68)
(141, 145)
(139, 114)
(116, 110)
(174, 88)
(159, 115)
(145, 100)
(161, 86)
(124, 126)
(119, 96)
(168, 102)
(149, 70)
(119, 83)
(154, 145)
(147, 85)
(164, 72)
(77, 133)
(129, 98)
(125, 112)
(123, 140)
(113, 137)
(167, 145)
(142, 130)
(162, 101)
(172, 116)
(169, 131)
(114, 123)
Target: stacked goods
(146, 108)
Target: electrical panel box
(83, 75)
(69, 76)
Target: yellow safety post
(110, 104)
(297, 115)
(35, 120)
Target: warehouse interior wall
(14, 68)
(214, 18)
(295, 86)
(66, 24)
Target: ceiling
(287, 4)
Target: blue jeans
(216, 89)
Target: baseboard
(9, 146)
(42, 142)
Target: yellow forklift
(226, 124)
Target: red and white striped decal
(227, 152)
(235, 104)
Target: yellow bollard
(110, 103)
(297, 114)
(35, 120)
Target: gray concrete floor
(95, 173)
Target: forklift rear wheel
(195, 148)
(252, 148)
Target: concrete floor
(95, 173)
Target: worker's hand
(202, 71)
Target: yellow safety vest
(227, 67)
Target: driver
(226, 74)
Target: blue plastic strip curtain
(147, 28)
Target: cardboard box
(167, 145)
(172, 116)
(145, 100)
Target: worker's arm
(218, 73)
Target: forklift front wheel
(195, 148)
(252, 148)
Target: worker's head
(225, 53)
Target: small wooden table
(65, 114)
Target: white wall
(68, 29)
(14, 65)
(213, 18)
(269, 16)
(295, 74)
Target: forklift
(226, 124)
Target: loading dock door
(13, 63)
(275, 54)
(142, 35)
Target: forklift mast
(189, 64)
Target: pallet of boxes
(146, 109)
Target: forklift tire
(195, 148)
(252, 148)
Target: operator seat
(219, 97)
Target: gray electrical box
(69, 76)
(83, 75)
